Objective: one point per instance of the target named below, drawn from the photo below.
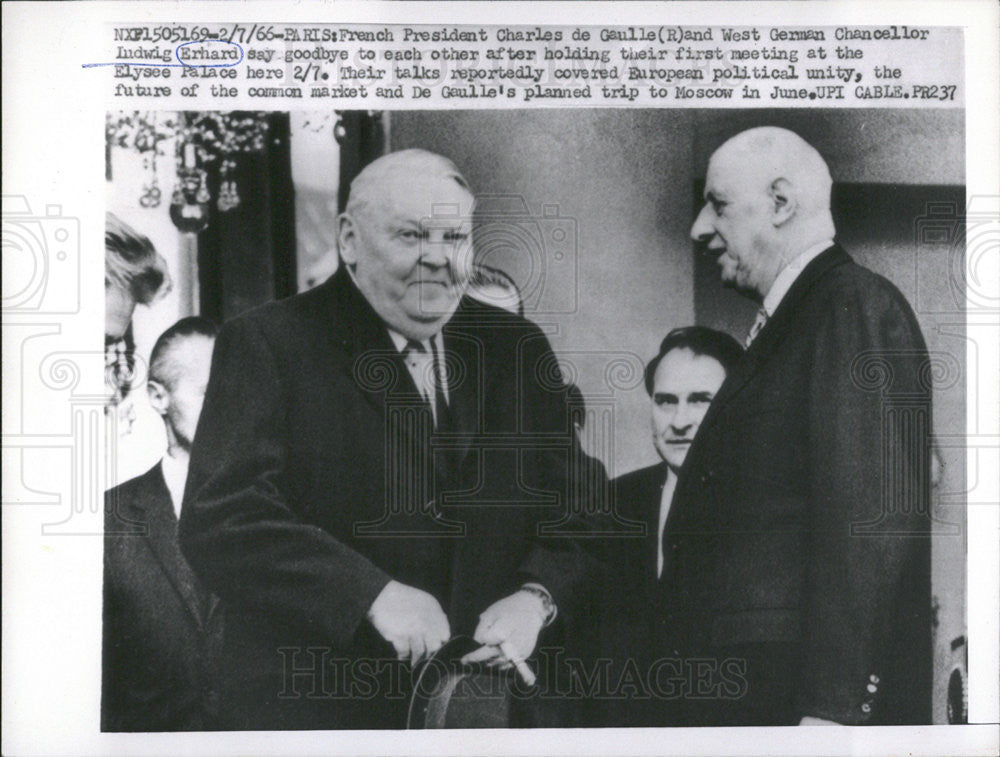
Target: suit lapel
(772, 335)
(465, 393)
(373, 363)
(161, 536)
(652, 494)
(380, 374)
(760, 352)
(376, 368)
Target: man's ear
(783, 202)
(347, 237)
(159, 398)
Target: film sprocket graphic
(41, 259)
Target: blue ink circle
(208, 65)
(182, 64)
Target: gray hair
(367, 184)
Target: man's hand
(514, 621)
(409, 619)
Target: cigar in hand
(519, 664)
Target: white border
(53, 130)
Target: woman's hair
(132, 263)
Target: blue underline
(181, 64)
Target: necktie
(440, 401)
(420, 363)
(758, 324)
(426, 368)
(666, 498)
(423, 476)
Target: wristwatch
(548, 606)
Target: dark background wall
(626, 183)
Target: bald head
(178, 377)
(767, 195)
(769, 154)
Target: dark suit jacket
(161, 629)
(307, 491)
(798, 535)
(629, 606)
(638, 496)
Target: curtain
(246, 256)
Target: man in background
(367, 480)
(161, 628)
(681, 380)
(797, 544)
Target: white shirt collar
(401, 341)
(175, 472)
(435, 349)
(398, 339)
(790, 273)
(665, 499)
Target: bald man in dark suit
(798, 540)
(162, 628)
